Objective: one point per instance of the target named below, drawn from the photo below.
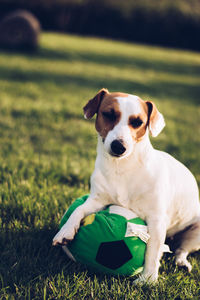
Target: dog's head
(123, 120)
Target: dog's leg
(68, 231)
(190, 242)
(157, 231)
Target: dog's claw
(64, 242)
(56, 243)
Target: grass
(47, 154)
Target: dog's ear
(156, 122)
(91, 108)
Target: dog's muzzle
(117, 148)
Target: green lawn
(47, 153)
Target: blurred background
(174, 23)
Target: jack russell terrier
(131, 173)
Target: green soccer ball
(112, 241)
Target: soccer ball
(112, 241)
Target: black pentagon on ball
(113, 254)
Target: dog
(131, 173)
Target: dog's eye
(110, 115)
(136, 122)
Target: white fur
(130, 106)
(153, 184)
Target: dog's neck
(141, 155)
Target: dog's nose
(117, 147)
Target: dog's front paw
(64, 236)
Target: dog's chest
(126, 187)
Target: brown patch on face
(117, 94)
(138, 123)
(109, 114)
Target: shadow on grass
(159, 89)
(29, 259)
(122, 61)
(117, 60)
(28, 256)
(38, 115)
